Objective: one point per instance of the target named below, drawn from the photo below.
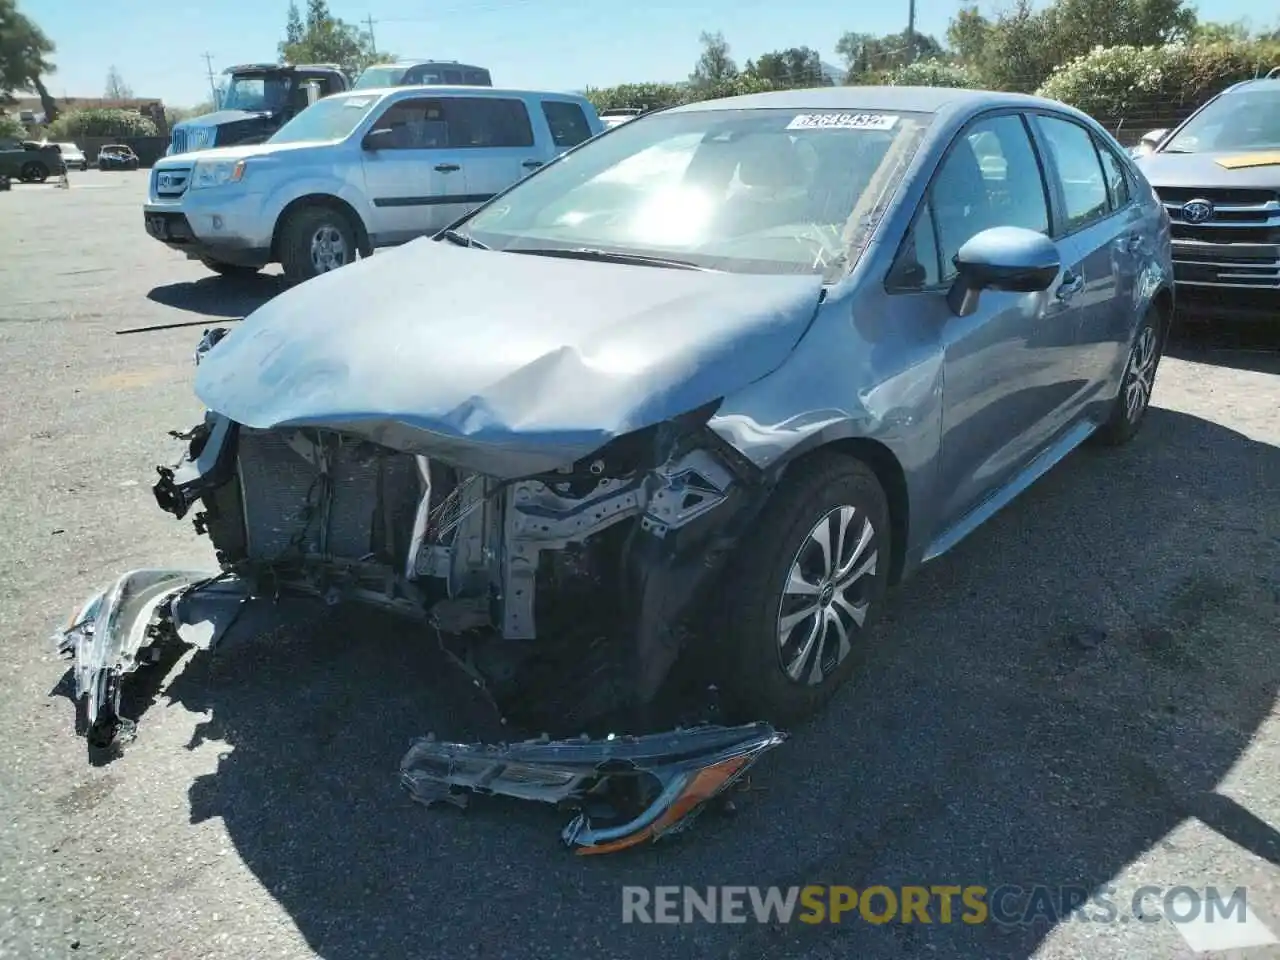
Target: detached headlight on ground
(215, 173)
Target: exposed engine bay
(567, 597)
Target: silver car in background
(707, 385)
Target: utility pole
(911, 31)
(213, 87)
(373, 44)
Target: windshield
(1246, 120)
(332, 118)
(379, 77)
(746, 191)
(256, 92)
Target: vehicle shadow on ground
(218, 296)
(1043, 705)
(1240, 345)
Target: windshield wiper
(611, 256)
(462, 239)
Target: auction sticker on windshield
(843, 121)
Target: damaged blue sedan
(694, 396)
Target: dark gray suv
(1218, 175)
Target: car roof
(906, 99)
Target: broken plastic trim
(627, 789)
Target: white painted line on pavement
(1206, 934)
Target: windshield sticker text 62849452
(843, 121)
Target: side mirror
(1153, 137)
(377, 139)
(1003, 258)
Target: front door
(415, 180)
(1006, 366)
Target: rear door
(415, 181)
(1096, 233)
(493, 137)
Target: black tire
(235, 271)
(755, 589)
(1123, 423)
(300, 230)
(33, 171)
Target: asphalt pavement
(1082, 693)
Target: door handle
(531, 164)
(1072, 283)
(447, 167)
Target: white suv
(356, 171)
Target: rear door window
(477, 78)
(1117, 179)
(453, 76)
(1084, 188)
(567, 122)
(488, 122)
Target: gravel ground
(1084, 692)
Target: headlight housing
(216, 173)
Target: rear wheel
(233, 270)
(805, 590)
(34, 172)
(315, 240)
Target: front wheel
(234, 270)
(1139, 380)
(805, 590)
(34, 172)
(315, 240)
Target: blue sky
(555, 44)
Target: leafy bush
(11, 128)
(101, 123)
(933, 73)
(1156, 84)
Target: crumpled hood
(1193, 170)
(507, 364)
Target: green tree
(967, 35)
(24, 58)
(293, 29)
(1021, 46)
(866, 56)
(11, 128)
(793, 67)
(715, 65)
(1237, 32)
(326, 39)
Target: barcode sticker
(843, 121)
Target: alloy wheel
(825, 599)
(1140, 374)
(329, 249)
